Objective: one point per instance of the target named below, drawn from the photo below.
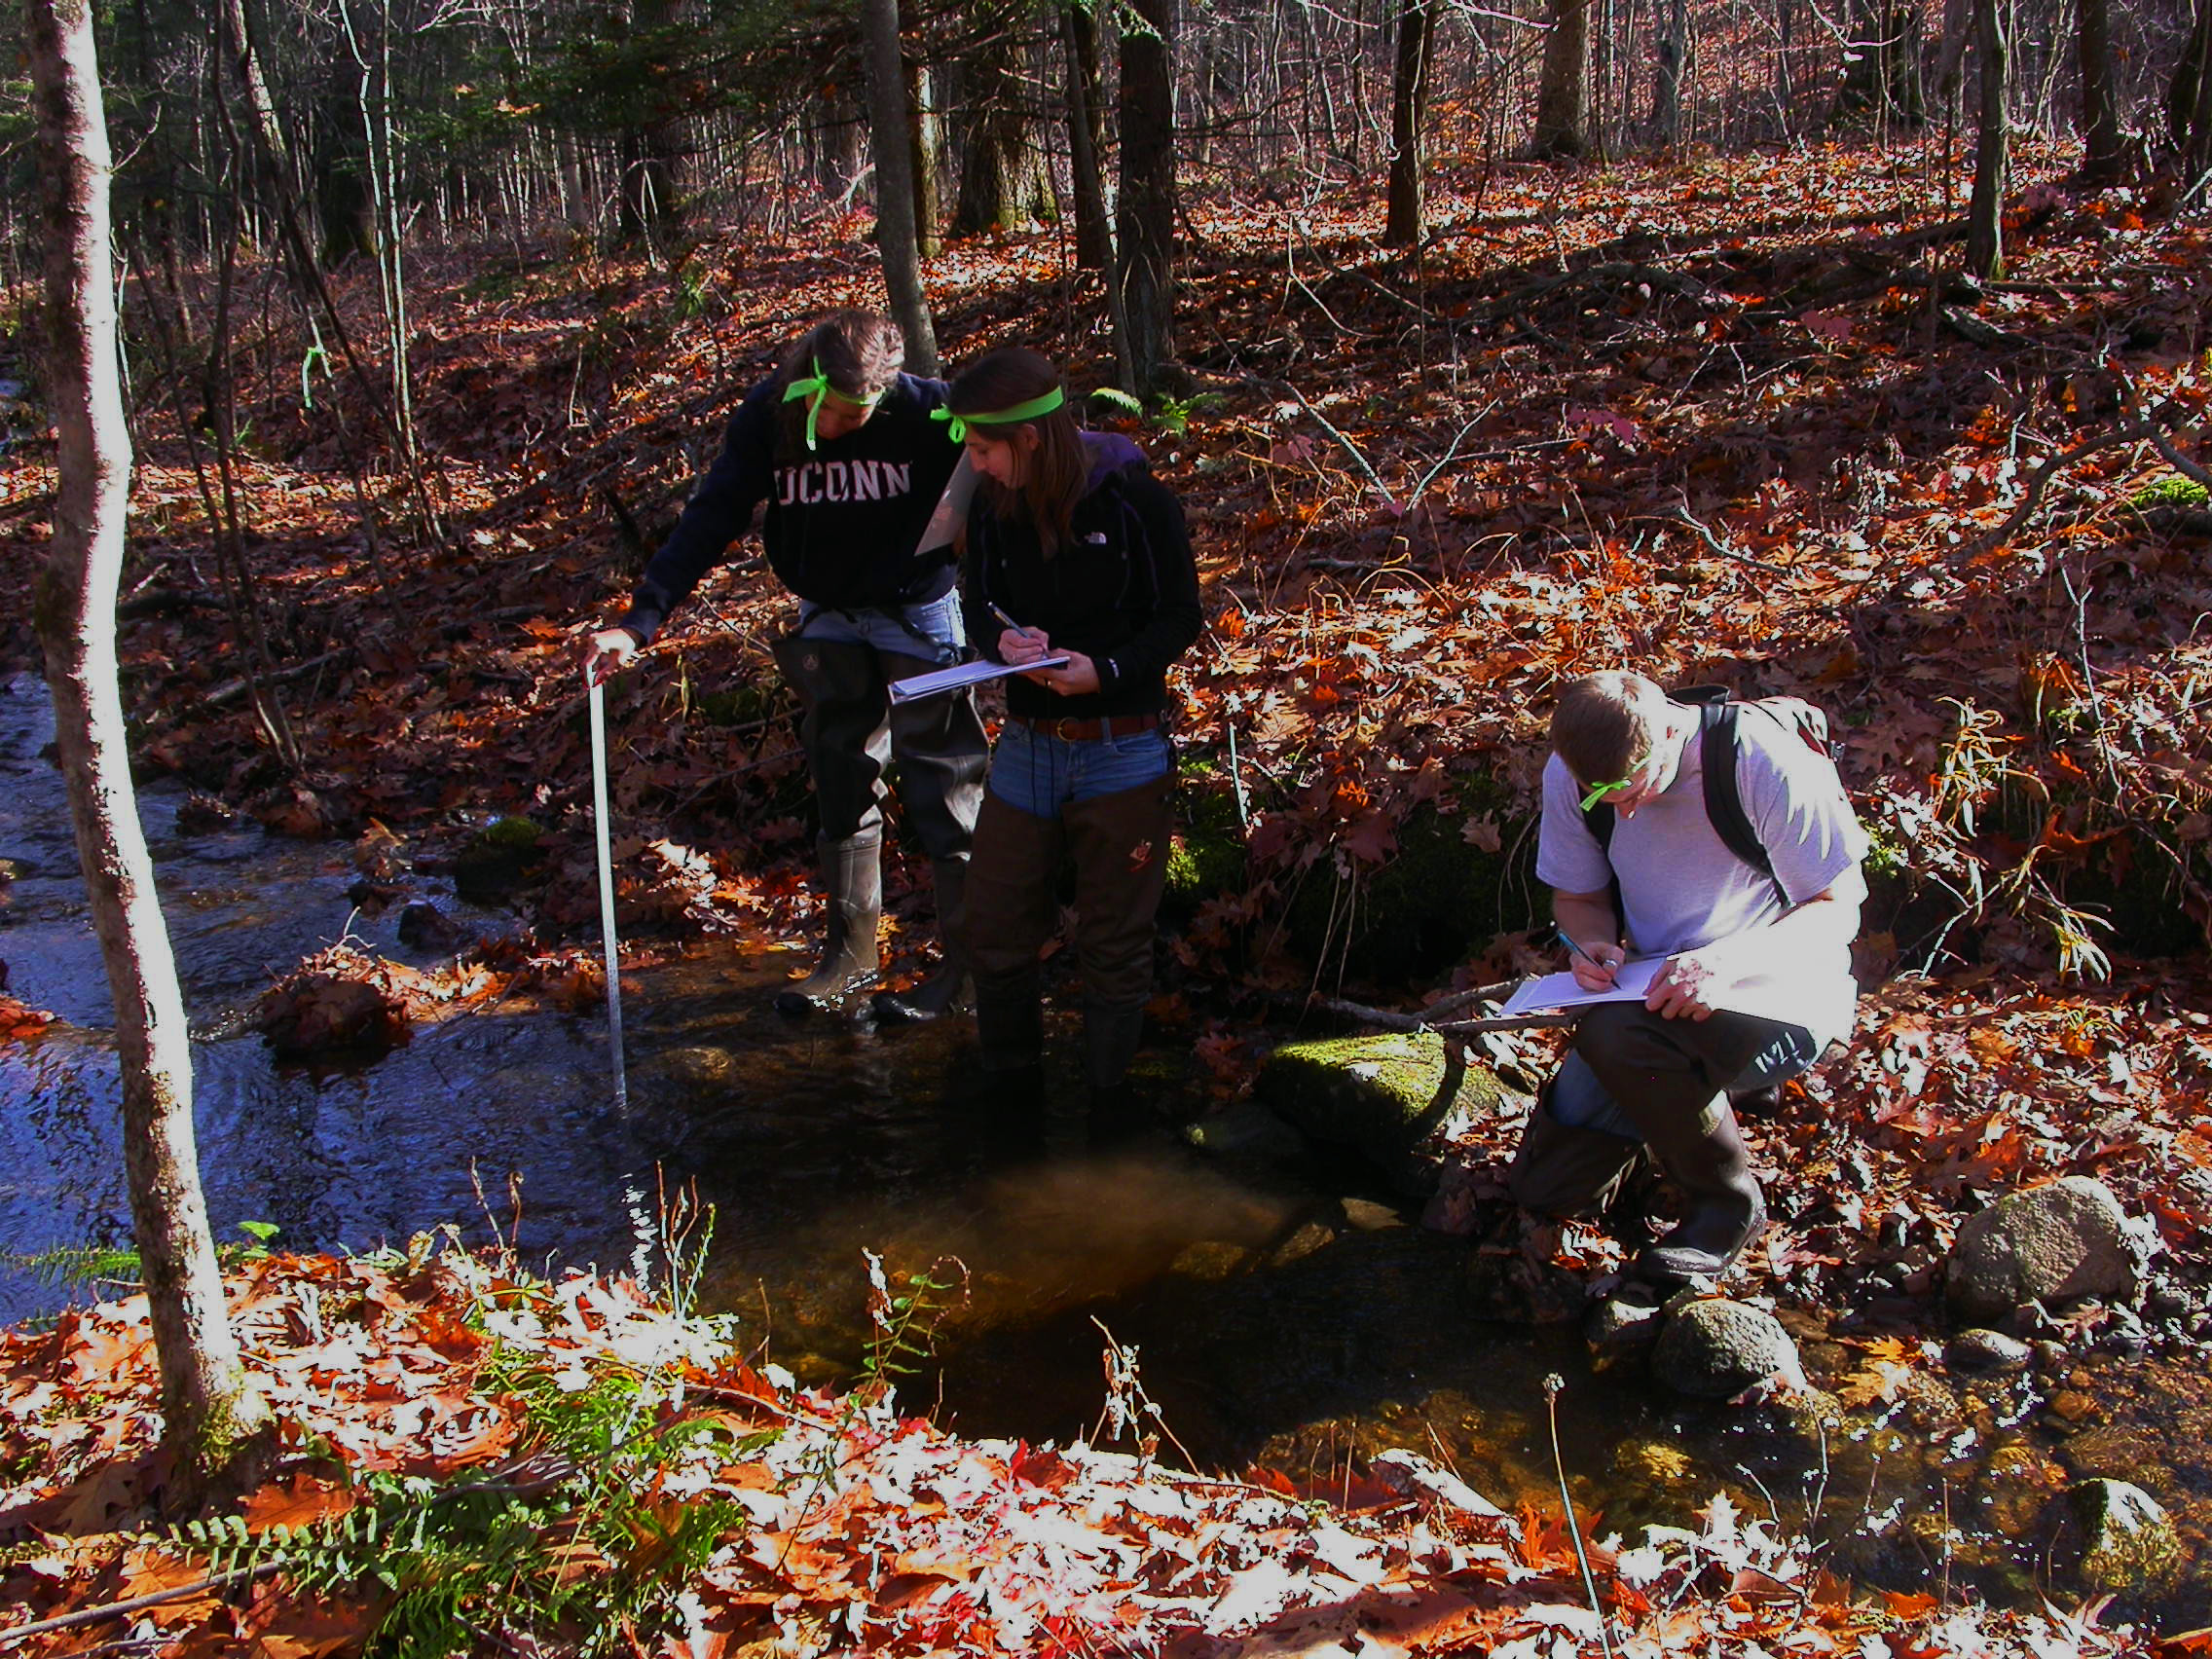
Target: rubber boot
(851, 881)
(1564, 1169)
(948, 985)
(1010, 1029)
(1111, 1037)
(1703, 1153)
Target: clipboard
(963, 674)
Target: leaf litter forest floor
(1714, 418)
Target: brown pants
(1119, 843)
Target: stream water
(1296, 1320)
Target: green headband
(1602, 791)
(958, 425)
(817, 386)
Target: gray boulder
(2111, 1535)
(1716, 1349)
(1395, 1097)
(2051, 1244)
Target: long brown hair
(1058, 468)
(860, 353)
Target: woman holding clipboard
(1074, 550)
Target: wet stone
(1395, 1097)
(1618, 1322)
(1716, 1349)
(2058, 1242)
(2113, 1535)
(1987, 1353)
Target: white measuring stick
(606, 890)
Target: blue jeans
(934, 630)
(1041, 775)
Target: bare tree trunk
(2189, 95)
(2102, 151)
(1002, 180)
(1086, 142)
(1563, 87)
(211, 1417)
(1409, 112)
(1674, 22)
(1985, 245)
(922, 127)
(895, 183)
(1146, 233)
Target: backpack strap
(1723, 800)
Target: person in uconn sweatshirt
(1074, 550)
(840, 446)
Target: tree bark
(1002, 176)
(1146, 228)
(2189, 95)
(1563, 87)
(1408, 116)
(2102, 155)
(1667, 78)
(1883, 79)
(1985, 241)
(1086, 140)
(895, 184)
(210, 1416)
(922, 142)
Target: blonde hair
(1605, 724)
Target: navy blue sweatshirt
(842, 520)
(1123, 590)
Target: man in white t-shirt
(1756, 977)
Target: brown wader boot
(947, 986)
(1011, 909)
(1119, 842)
(1704, 1154)
(1668, 1075)
(1563, 1169)
(852, 880)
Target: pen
(1559, 933)
(1008, 620)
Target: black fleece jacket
(1123, 590)
(842, 520)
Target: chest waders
(852, 734)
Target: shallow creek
(1293, 1320)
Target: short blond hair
(1605, 724)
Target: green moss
(2171, 491)
(1385, 1095)
(512, 834)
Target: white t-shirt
(1681, 888)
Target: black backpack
(1717, 713)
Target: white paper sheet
(1558, 990)
(963, 674)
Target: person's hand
(1683, 988)
(1597, 963)
(1019, 646)
(606, 652)
(1073, 678)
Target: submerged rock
(1395, 1097)
(1987, 1353)
(2112, 1536)
(1715, 1349)
(2049, 1244)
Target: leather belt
(1090, 728)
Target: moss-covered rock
(1441, 896)
(2113, 1536)
(499, 857)
(1395, 1097)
